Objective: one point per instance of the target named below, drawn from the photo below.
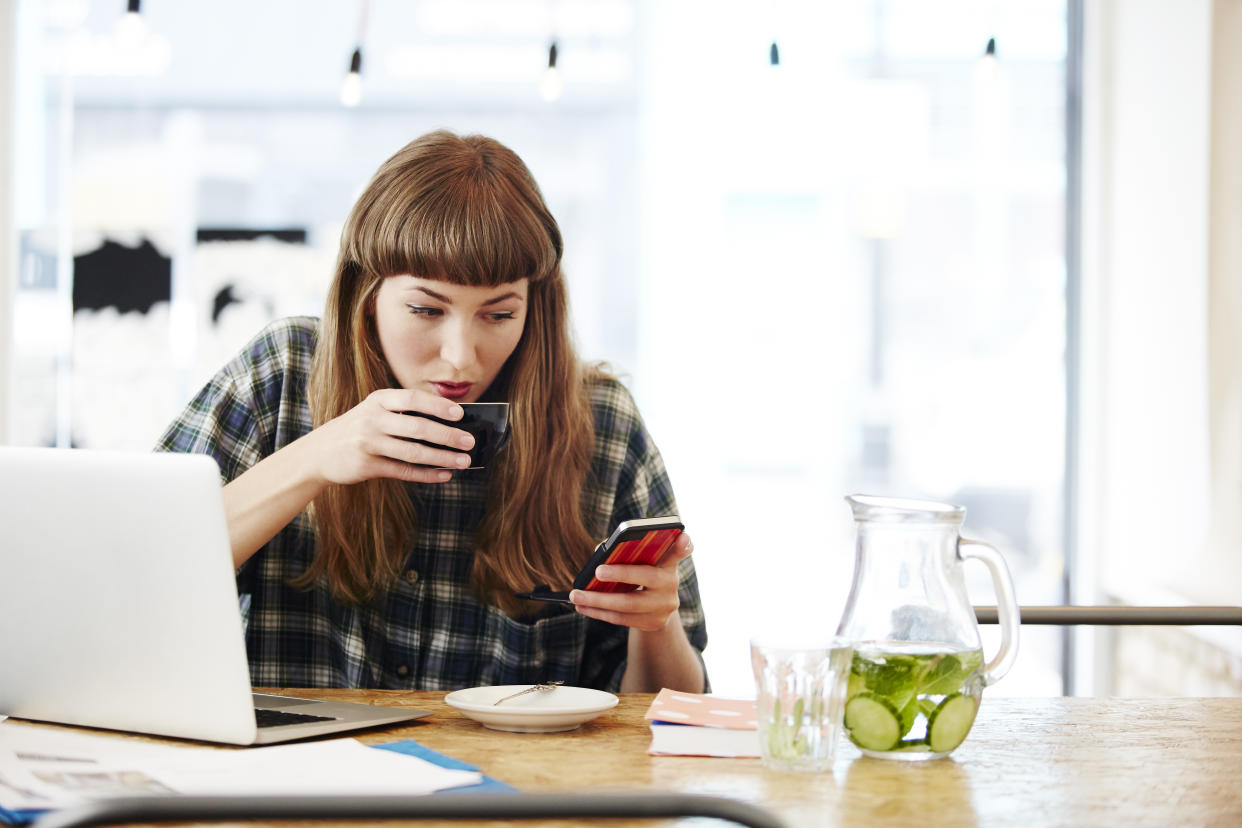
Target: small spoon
(543, 685)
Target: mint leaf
(893, 676)
(950, 674)
(944, 677)
(890, 675)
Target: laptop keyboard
(274, 718)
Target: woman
(359, 563)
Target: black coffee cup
(487, 422)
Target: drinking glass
(801, 695)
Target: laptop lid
(118, 601)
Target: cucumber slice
(949, 723)
(872, 722)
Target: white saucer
(543, 711)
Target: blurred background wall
(946, 249)
(1160, 418)
(8, 73)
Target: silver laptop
(118, 603)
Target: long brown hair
(466, 210)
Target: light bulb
(987, 68)
(130, 30)
(351, 88)
(550, 84)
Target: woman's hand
(658, 653)
(649, 608)
(370, 440)
(373, 439)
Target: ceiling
(296, 53)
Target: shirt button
(411, 576)
(403, 671)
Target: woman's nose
(457, 348)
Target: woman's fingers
(376, 439)
(683, 547)
(645, 622)
(418, 454)
(413, 427)
(411, 473)
(421, 441)
(635, 601)
(647, 576)
(376, 443)
(648, 621)
(647, 608)
(422, 402)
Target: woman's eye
(500, 316)
(423, 310)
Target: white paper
(45, 768)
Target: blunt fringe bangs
(461, 209)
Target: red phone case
(649, 548)
(645, 543)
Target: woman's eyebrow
(493, 301)
(510, 295)
(438, 296)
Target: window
(854, 280)
(843, 272)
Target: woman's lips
(452, 390)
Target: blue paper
(413, 748)
(19, 817)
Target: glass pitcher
(918, 673)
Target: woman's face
(449, 339)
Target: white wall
(1225, 322)
(8, 256)
(1146, 267)
(1161, 400)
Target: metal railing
(1117, 616)
(504, 806)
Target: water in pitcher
(917, 698)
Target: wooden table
(1030, 762)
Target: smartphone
(638, 541)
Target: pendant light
(987, 67)
(131, 29)
(351, 87)
(550, 83)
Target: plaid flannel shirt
(429, 631)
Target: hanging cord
(351, 88)
(364, 17)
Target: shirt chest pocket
(549, 649)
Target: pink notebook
(693, 724)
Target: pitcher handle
(1006, 606)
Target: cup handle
(1006, 606)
